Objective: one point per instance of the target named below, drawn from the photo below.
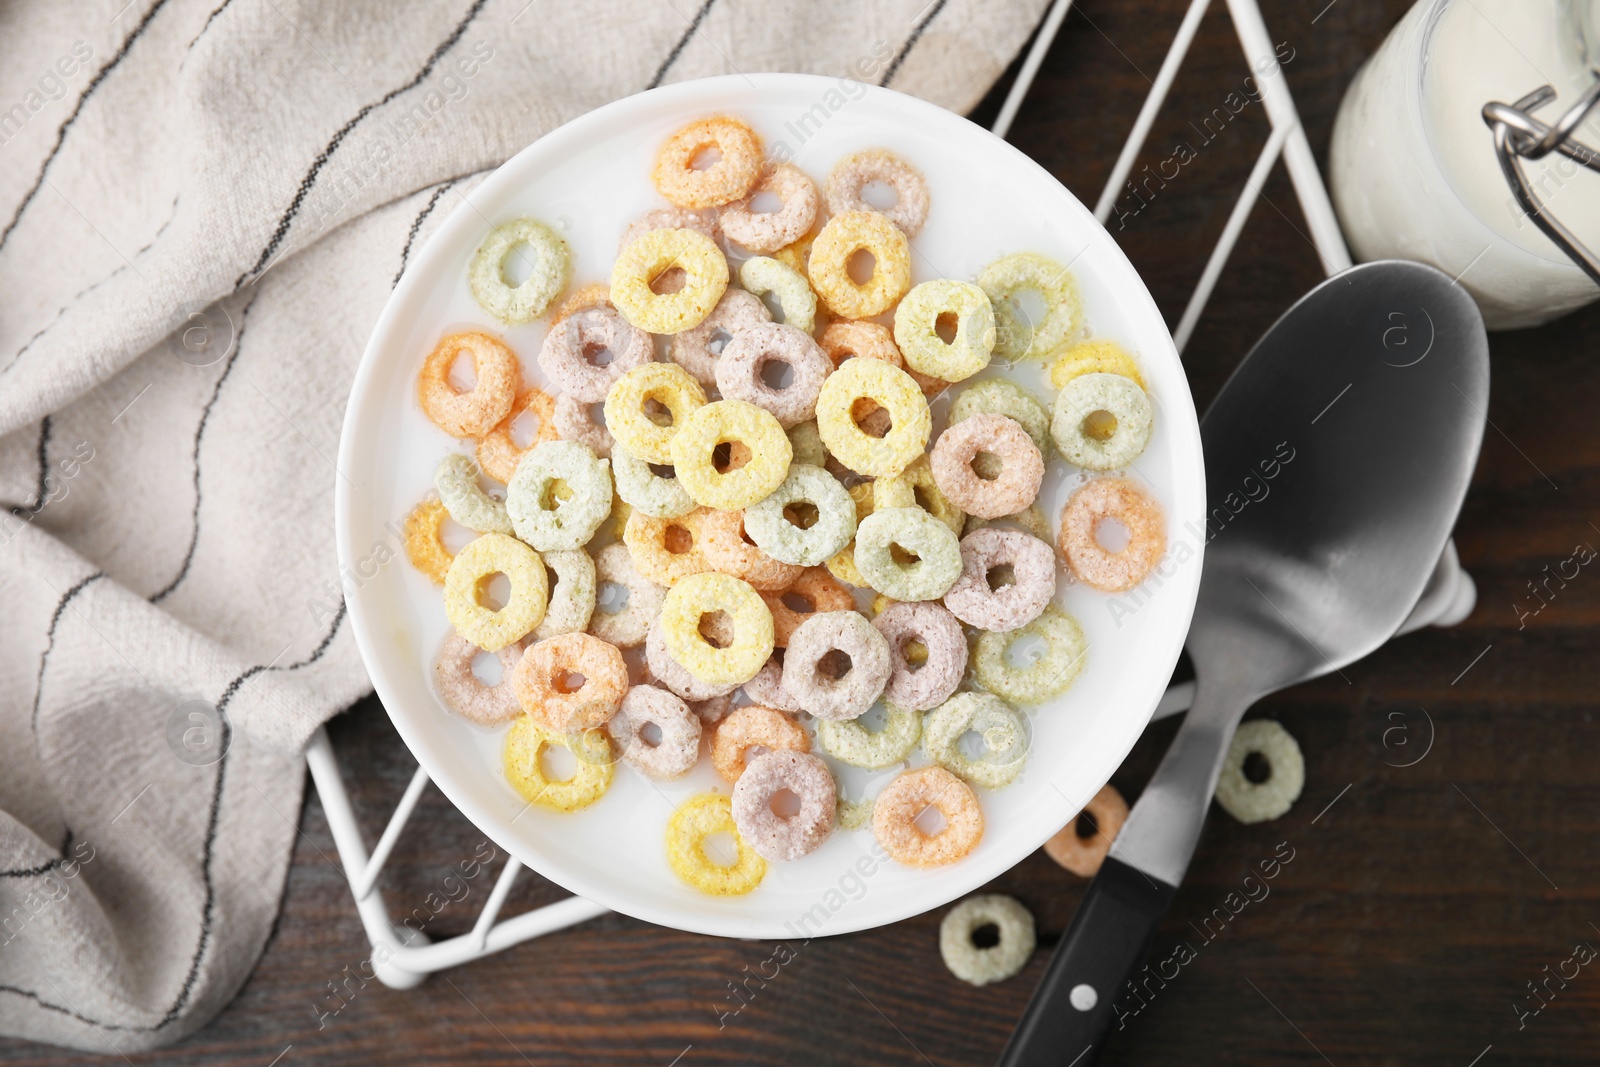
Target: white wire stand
(402, 957)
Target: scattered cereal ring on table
(760, 276)
(629, 415)
(849, 741)
(784, 837)
(1102, 421)
(995, 963)
(1018, 337)
(1048, 675)
(765, 232)
(829, 264)
(691, 349)
(811, 664)
(497, 451)
(766, 688)
(916, 487)
(571, 682)
(522, 238)
(456, 479)
(478, 410)
(846, 340)
(982, 596)
(677, 747)
(728, 179)
(1013, 487)
(571, 598)
(1253, 802)
(934, 551)
(742, 368)
(699, 595)
(890, 388)
(815, 591)
(545, 522)
(705, 279)
(727, 548)
(919, 687)
(464, 693)
(1126, 502)
(1094, 356)
(852, 174)
(574, 421)
(807, 444)
(1084, 855)
(783, 538)
(672, 674)
(568, 351)
(759, 454)
(698, 819)
(895, 812)
(1005, 739)
(916, 329)
(627, 627)
(424, 548)
(1000, 396)
(747, 727)
(666, 551)
(667, 218)
(1029, 520)
(645, 490)
(525, 743)
(468, 577)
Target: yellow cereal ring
(1019, 336)
(797, 256)
(424, 548)
(758, 457)
(1094, 356)
(669, 386)
(829, 266)
(665, 551)
(652, 255)
(526, 741)
(843, 566)
(915, 329)
(699, 595)
(687, 830)
(914, 488)
(889, 387)
(464, 584)
(729, 179)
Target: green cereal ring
(782, 538)
(1030, 520)
(916, 333)
(486, 276)
(807, 444)
(548, 524)
(761, 275)
(1102, 394)
(850, 742)
(913, 531)
(1005, 739)
(457, 482)
(652, 255)
(1000, 396)
(470, 572)
(644, 489)
(997, 962)
(699, 595)
(852, 814)
(914, 487)
(758, 456)
(1063, 316)
(1050, 675)
(628, 414)
(1253, 802)
(890, 388)
(571, 600)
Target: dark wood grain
(1417, 906)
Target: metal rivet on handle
(1083, 997)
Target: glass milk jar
(1413, 168)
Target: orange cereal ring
(1126, 502)
(593, 295)
(1083, 855)
(730, 178)
(666, 551)
(749, 726)
(829, 266)
(705, 279)
(814, 592)
(424, 548)
(478, 410)
(498, 453)
(843, 340)
(895, 812)
(571, 682)
(729, 549)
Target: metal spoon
(1374, 386)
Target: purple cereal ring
(764, 232)
(977, 601)
(679, 747)
(1008, 492)
(779, 837)
(574, 421)
(714, 710)
(918, 687)
(691, 349)
(669, 218)
(766, 688)
(571, 345)
(674, 675)
(742, 365)
(463, 692)
(810, 662)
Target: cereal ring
(424, 548)
(699, 595)
(843, 565)
(468, 577)
(486, 275)
(766, 688)
(851, 742)
(889, 387)
(935, 552)
(920, 686)
(463, 692)
(572, 593)
(989, 601)
(1029, 520)
(749, 476)
(698, 819)
(627, 625)
(1127, 503)
(846, 340)
(1049, 673)
(666, 551)
(748, 727)
(677, 748)
(829, 265)
(712, 711)
(628, 409)
(895, 812)
(571, 682)
(575, 421)
(645, 490)
(1012, 488)
(797, 256)
(728, 179)
(526, 742)
(760, 276)
(807, 444)
(1000, 396)
(814, 592)
(456, 479)
(1005, 739)
(742, 370)
(1253, 802)
(692, 349)
(478, 410)
(1080, 425)
(667, 218)
(728, 549)
(784, 837)
(783, 538)
(593, 295)
(672, 674)
(853, 815)
(570, 349)
(705, 278)
(915, 487)
(1094, 356)
(1028, 271)
(812, 662)
(916, 331)
(545, 522)
(498, 453)
(977, 965)
(764, 232)
(852, 174)
(1084, 855)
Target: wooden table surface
(1421, 900)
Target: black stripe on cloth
(310, 178)
(20, 510)
(416, 225)
(219, 9)
(911, 41)
(50, 639)
(45, 867)
(61, 134)
(683, 42)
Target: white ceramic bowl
(590, 178)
